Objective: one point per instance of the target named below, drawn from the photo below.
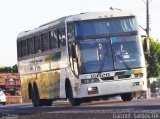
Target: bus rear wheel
(126, 96)
(36, 101)
(46, 102)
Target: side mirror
(75, 59)
(73, 51)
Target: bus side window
(38, 46)
(24, 48)
(62, 37)
(31, 48)
(53, 39)
(70, 30)
(45, 41)
(19, 49)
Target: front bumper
(112, 87)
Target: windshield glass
(95, 55)
(127, 52)
(116, 53)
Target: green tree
(8, 69)
(153, 87)
(153, 59)
(15, 68)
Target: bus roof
(98, 15)
(72, 18)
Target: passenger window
(45, 41)
(62, 37)
(24, 48)
(54, 39)
(31, 46)
(19, 49)
(38, 44)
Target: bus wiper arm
(103, 62)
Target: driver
(122, 52)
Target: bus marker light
(138, 83)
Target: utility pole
(147, 18)
(147, 2)
(146, 40)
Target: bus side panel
(48, 84)
(58, 64)
(43, 85)
(54, 87)
(63, 76)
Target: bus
(82, 58)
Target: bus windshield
(114, 53)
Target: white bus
(83, 57)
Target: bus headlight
(87, 81)
(138, 73)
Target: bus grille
(107, 78)
(115, 77)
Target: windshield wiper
(103, 62)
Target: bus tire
(33, 98)
(30, 88)
(47, 102)
(105, 98)
(36, 101)
(126, 96)
(74, 101)
(69, 93)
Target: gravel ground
(136, 109)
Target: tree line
(9, 69)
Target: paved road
(114, 109)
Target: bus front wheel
(74, 101)
(126, 96)
(69, 93)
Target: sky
(21, 15)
